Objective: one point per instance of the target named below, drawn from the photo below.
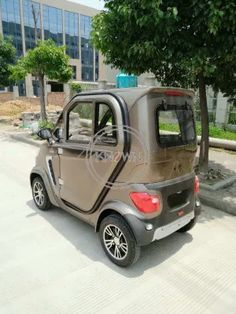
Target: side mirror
(45, 134)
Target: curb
(24, 139)
(220, 143)
(214, 201)
(220, 185)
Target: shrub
(75, 87)
(46, 124)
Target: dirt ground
(14, 108)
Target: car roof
(132, 95)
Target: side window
(80, 123)
(105, 125)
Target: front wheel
(118, 241)
(189, 226)
(40, 194)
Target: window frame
(184, 106)
(95, 105)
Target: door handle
(60, 151)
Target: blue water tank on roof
(124, 80)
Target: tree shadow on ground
(85, 240)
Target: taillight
(174, 93)
(196, 185)
(145, 202)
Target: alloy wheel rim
(115, 242)
(38, 193)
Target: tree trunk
(204, 147)
(35, 17)
(42, 98)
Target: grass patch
(213, 131)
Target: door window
(105, 126)
(80, 123)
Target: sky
(97, 4)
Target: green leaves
(175, 11)
(45, 59)
(176, 40)
(75, 87)
(7, 59)
(18, 71)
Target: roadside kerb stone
(219, 185)
(216, 200)
(220, 143)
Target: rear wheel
(40, 194)
(118, 241)
(189, 226)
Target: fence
(232, 117)
(211, 114)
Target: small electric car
(122, 161)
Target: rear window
(175, 125)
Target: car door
(88, 153)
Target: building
(67, 23)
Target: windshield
(175, 125)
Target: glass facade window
(72, 34)
(77, 30)
(96, 65)
(52, 22)
(11, 23)
(21, 88)
(35, 88)
(32, 22)
(87, 51)
(74, 71)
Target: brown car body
(166, 171)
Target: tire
(189, 226)
(118, 241)
(40, 194)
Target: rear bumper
(147, 231)
(166, 230)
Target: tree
(7, 58)
(46, 59)
(189, 43)
(36, 17)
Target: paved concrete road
(53, 263)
